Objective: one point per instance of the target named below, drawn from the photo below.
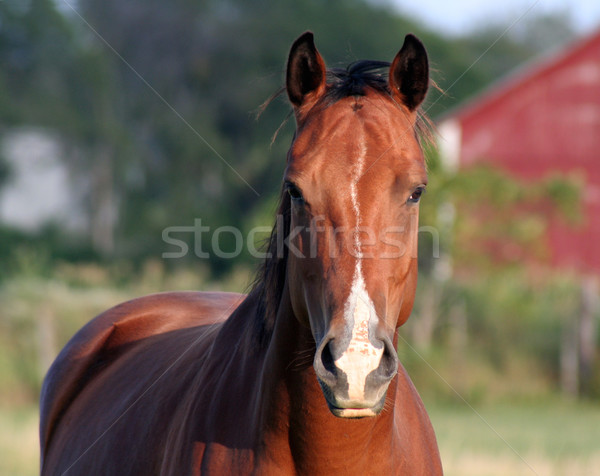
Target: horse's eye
(294, 192)
(416, 195)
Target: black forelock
(356, 78)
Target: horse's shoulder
(102, 337)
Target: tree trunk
(103, 211)
(458, 328)
(46, 339)
(569, 361)
(587, 332)
(578, 342)
(424, 325)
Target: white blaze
(361, 357)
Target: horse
(301, 375)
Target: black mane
(269, 282)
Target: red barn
(543, 119)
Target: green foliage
(497, 307)
(162, 95)
(43, 305)
(488, 219)
(36, 255)
(496, 336)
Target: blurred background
(119, 119)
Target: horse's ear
(409, 73)
(305, 71)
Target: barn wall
(545, 122)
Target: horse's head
(354, 177)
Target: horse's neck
(297, 427)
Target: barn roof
(528, 72)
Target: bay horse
(300, 376)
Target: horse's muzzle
(355, 377)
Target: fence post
(587, 332)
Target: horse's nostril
(327, 358)
(389, 361)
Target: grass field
(546, 438)
(19, 451)
(550, 438)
